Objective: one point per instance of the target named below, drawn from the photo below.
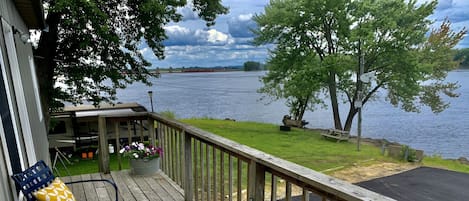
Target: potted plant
(144, 159)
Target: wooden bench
(337, 134)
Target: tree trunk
(351, 114)
(45, 64)
(303, 107)
(334, 104)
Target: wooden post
(129, 130)
(305, 196)
(273, 188)
(222, 175)
(103, 146)
(151, 131)
(256, 181)
(181, 158)
(240, 180)
(141, 131)
(288, 191)
(158, 131)
(207, 174)
(214, 157)
(230, 178)
(188, 177)
(202, 167)
(196, 170)
(118, 143)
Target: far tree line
(253, 66)
(462, 56)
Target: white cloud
(245, 17)
(178, 35)
(215, 36)
(190, 43)
(208, 56)
(144, 50)
(241, 25)
(176, 29)
(187, 13)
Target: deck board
(77, 189)
(90, 191)
(155, 187)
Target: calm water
(233, 95)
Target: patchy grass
(439, 162)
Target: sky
(227, 43)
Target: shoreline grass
(308, 148)
(300, 146)
(303, 147)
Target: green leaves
(94, 45)
(323, 40)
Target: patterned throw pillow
(56, 191)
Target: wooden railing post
(151, 130)
(188, 177)
(118, 143)
(256, 181)
(197, 186)
(103, 146)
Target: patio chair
(39, 176)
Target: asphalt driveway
(420, 184)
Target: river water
(233, 95)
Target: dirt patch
(359, 173)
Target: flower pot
(144, 167)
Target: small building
(77, 126)
(23, 135)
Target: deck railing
(209, 167)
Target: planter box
(144, 167)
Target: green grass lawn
(306, 148)
(86, 166)
(438, 162)
(300, 146)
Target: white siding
(21, 90)
(29, 113)
(4, 168)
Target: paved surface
(420, 184)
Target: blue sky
(191, 43)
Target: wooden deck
(210, 167)
(155, 187)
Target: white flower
(141, 146)
(135, 155)
(122, 150)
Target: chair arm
(97, 180)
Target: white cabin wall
(16, 71)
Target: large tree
(292, 78)
(93, 46)
(391, 35)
